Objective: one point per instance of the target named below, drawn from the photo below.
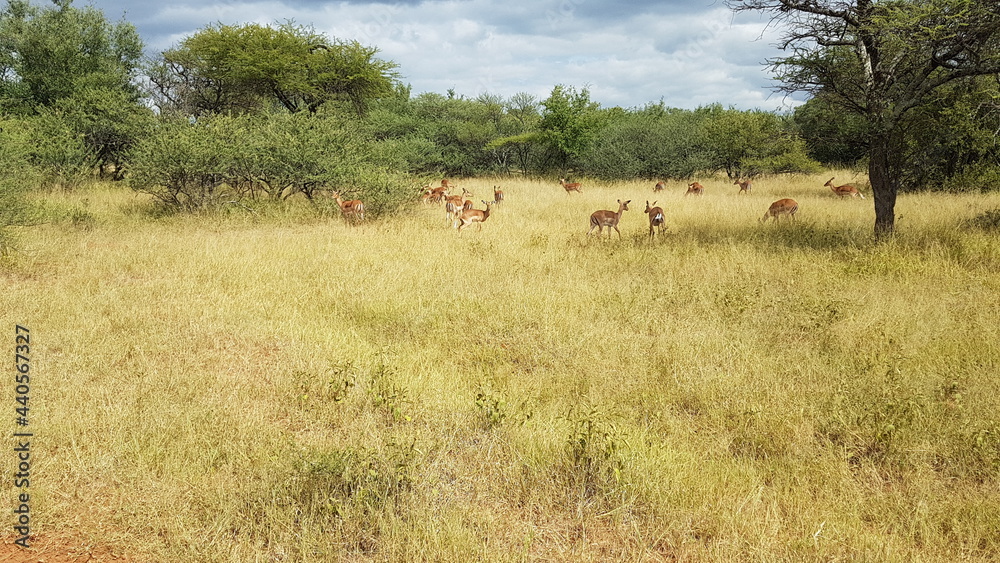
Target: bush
(18, 176)
(185, 165)
(58, 152)
(201, 165)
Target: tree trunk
(884, 186)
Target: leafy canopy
(251, 67)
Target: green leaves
(49, 53)
(570, 122)
(252, 67)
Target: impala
(434, 195)
(453, 206)
(745, 186)
(609, 219)
(353, 209)
(497, 195)
(695, 188)
(659, 187)
(471, 216)
(781, 207)
(573, 187)
(846, 190)
(656, 218)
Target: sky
(684, 53)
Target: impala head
(624, 205)
(648, 208)
(829, 182)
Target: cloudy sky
(686, 53)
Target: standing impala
(781, 207)
(497, 195)
(471, 216)
(846, 190)
(453, 206)
(695, 188)
(745, 186)
(656, 218)
(573, 187)
(352, 210)
(609, 219)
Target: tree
(250, 67)
(746, 144)
(951, 141)
(834, 137)
(880, 60)
(569, 123)
(73, 72)
(653, 143)
(48, 54)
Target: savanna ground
(281, 386)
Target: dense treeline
(249, 112)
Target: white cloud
(686, 53)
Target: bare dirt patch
(56, 549)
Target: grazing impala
(745, 186)
(846, 190)
(471, 216)
(353, 209)
(781, 207)
(695, 188)
(659, 187)
(573, 187)
(656, 218)
(497, 195)
(435, 195)
(609, 219)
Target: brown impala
(781, 207)
(695, 188)
(574, 187)
(353, 209)
(470, 216)
(846, 190)
(609, 219)
(656, 218)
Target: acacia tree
(880, 60)
(244, 68)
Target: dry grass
(285, 387)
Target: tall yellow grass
(283, 386)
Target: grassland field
(280, 385)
